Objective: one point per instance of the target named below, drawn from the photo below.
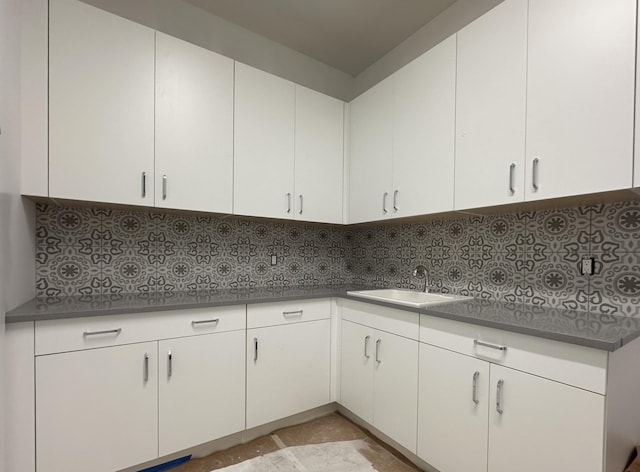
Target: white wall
(17, 218)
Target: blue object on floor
(167, 465)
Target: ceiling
(348, 35)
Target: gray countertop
(600, 331)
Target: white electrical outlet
(274, 259)
(586, 266)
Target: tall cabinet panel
(490, 108)
(580, 96)
(263, 144)
(101, 99)
(423, 133)
(319, 136)
(194, 127)
(371, 152)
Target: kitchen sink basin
(408, 297)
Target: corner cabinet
(402, 140)
(379, 383)
(169, 380)
(288, 149)
(101, 100)
(193, 127)
(288, 359)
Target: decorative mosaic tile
(615, 228)
(559, 231)
(503, 232)
(615, 286)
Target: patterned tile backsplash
(531, 257)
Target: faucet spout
(421, 271)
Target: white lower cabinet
(543, 425)
(97, 409)
(288, 358)
(379, 376)
(201, 389)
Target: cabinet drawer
(400, 322)
(575, 365)
(102, 331)
(271, 314)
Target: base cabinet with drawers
(105, 402)
(288, 359)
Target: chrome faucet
(421, 271)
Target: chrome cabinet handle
(164, 187)
(169, 364)
(199, 322)
(499, 405)
(378, 351)
(474, 395)
(145, 368)
(384, 203)
(116, 331)
(395, 200)
(291, 313)
(255, 349)
(489, 345)
(301, 201)
(512, 175)
(534, 174)
(288, 203)
(366, 346)
(144, 184)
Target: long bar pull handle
(164, 187)
(144, 184)
(169, 364)
(366, 346)
(534, 174)
(499, 387)
(489, 345)
(378, 351)
(292, 313)
(116, 331)
(199, 322)
(395, 200)
(301, 202)
(145, 368)
(512, 176)
(474, 395)
(288, 203)
(384, 202)
(255, 349)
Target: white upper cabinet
(402, 140)
(580, 97)
(194, 127)
(423, 133)
(490, 108)
(371, 151)
(101, 100)
(263, 144)
(319, 137)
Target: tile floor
(330, 428)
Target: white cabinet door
(101, 88)
(97, 409)
(319, 136)
(490, 108)
(288, 370)
(395, 387)
(424, 133)
(580, 96)
(263, 144)
(371, 153)
(194, 127)
(544, 425)
(356, 373)
(453, 409)
(201, 391)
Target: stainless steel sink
(409, 297)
